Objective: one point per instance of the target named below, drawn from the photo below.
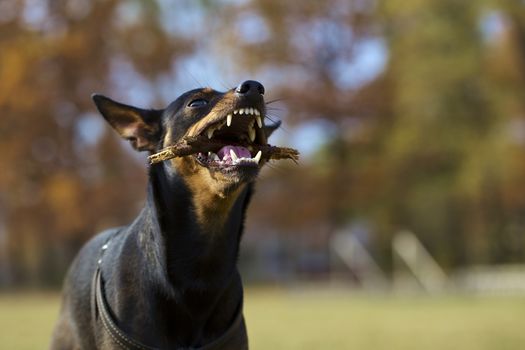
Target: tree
(63, 178)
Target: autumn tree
(63, 176)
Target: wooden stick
(194, 144)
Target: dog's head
(230, 127)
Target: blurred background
(410, 117)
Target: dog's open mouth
(237, 138)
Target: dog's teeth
(252, 110)
(233, 155)
(256, 111)
(215, 157)
(236, 111)
(257, 157)
(210, 133)
(229, 120)
(259, 121)
(251, 132)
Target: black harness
(102, 315)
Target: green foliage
(440, 148)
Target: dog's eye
(198, 103)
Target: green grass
(319, 319)
(26, 320)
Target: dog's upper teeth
(259, 121)
(251, 134)
(210, 132)
(247, 111)
(257, 157)
(233, 155)
(229, 119)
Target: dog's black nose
(250, 87)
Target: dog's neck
(196, 228)
(175, 282)
(192, 266)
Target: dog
(169, 280)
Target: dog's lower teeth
(257, 157)
(255, 160)
(233, 155)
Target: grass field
(321, 319)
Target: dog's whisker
(276, 100)
(275, 109)
(271, 117)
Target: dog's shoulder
(84, 265)
(75, 315)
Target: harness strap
(109, 324)
(101, 311)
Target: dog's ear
(269, 129)
(139, 126)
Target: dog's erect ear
(140, 126)
(269, 129)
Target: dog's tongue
(224, 153)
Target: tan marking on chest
(212, 205)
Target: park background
(403, 225)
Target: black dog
(169, 280)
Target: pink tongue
(224, 153)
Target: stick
(194, 144)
